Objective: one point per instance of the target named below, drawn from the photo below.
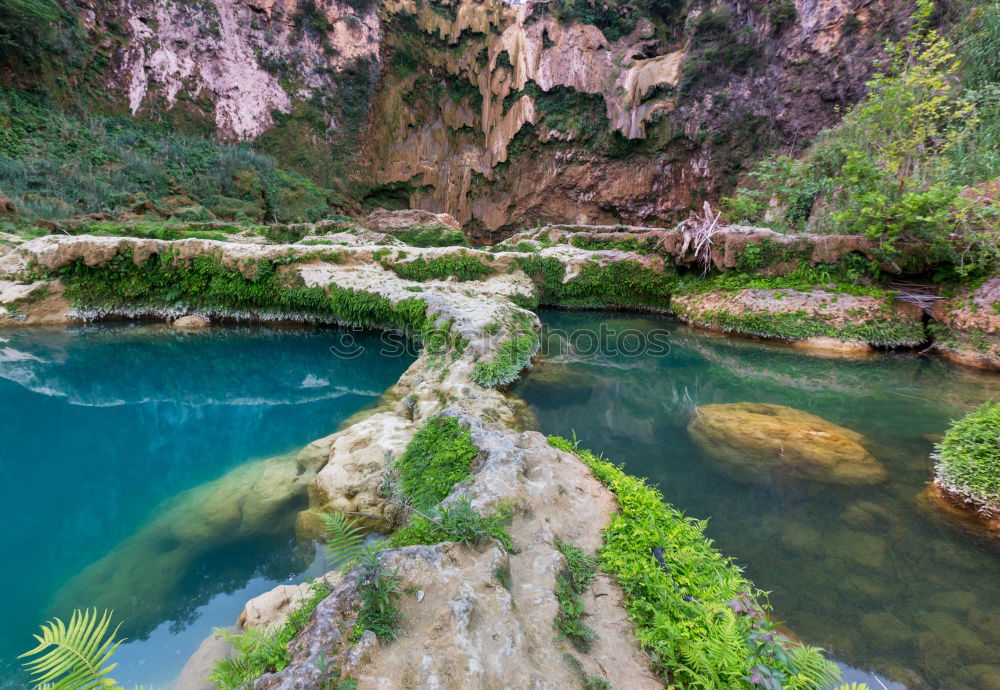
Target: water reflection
(861, 570)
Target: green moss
(701, 622)
(832, 278)
(205, 284)
(968, 458)
(437, 457)
(619, 284)
(461, 266)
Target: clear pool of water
(114, 439)
(902, 597)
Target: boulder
(271, 609)
(381, 220)
(754, 440)
(191, 322)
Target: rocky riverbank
(494, 606)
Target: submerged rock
(751, 440)
(191, 322)
(960, 511)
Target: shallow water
(862, 571)
(101, 425)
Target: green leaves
(343, 538)
(683, 612)
(74, 656)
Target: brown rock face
(381, 220)
(971, 327)
(7, 207)
(751, 440)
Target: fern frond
(74, 656)
(854, 686)
(343, 537)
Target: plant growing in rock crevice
(571, 582)
(438, 456)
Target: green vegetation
(458, 522)
(77, 655)
(26, 28)
(437, 457)
(616, 284)
(716, 45)
(378, 588)
(800, 325)
(264, 650)
(615, 18)
(432, 236)
(571, 582)
(461, 266)
(702, 623)
(837, 279)
(624, 244)
(895, 167)
(54, 165)
(510, 359)
(205, 284)
(968, 458)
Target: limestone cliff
(499, 114)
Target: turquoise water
(903, 598)
(109, 435)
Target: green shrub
(379, 590)
(968, 458)
(438, 456)
(458, 522)
(702, 623)
(894, 167)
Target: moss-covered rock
(751, 441)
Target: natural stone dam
(859, 564)
(169, 488)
